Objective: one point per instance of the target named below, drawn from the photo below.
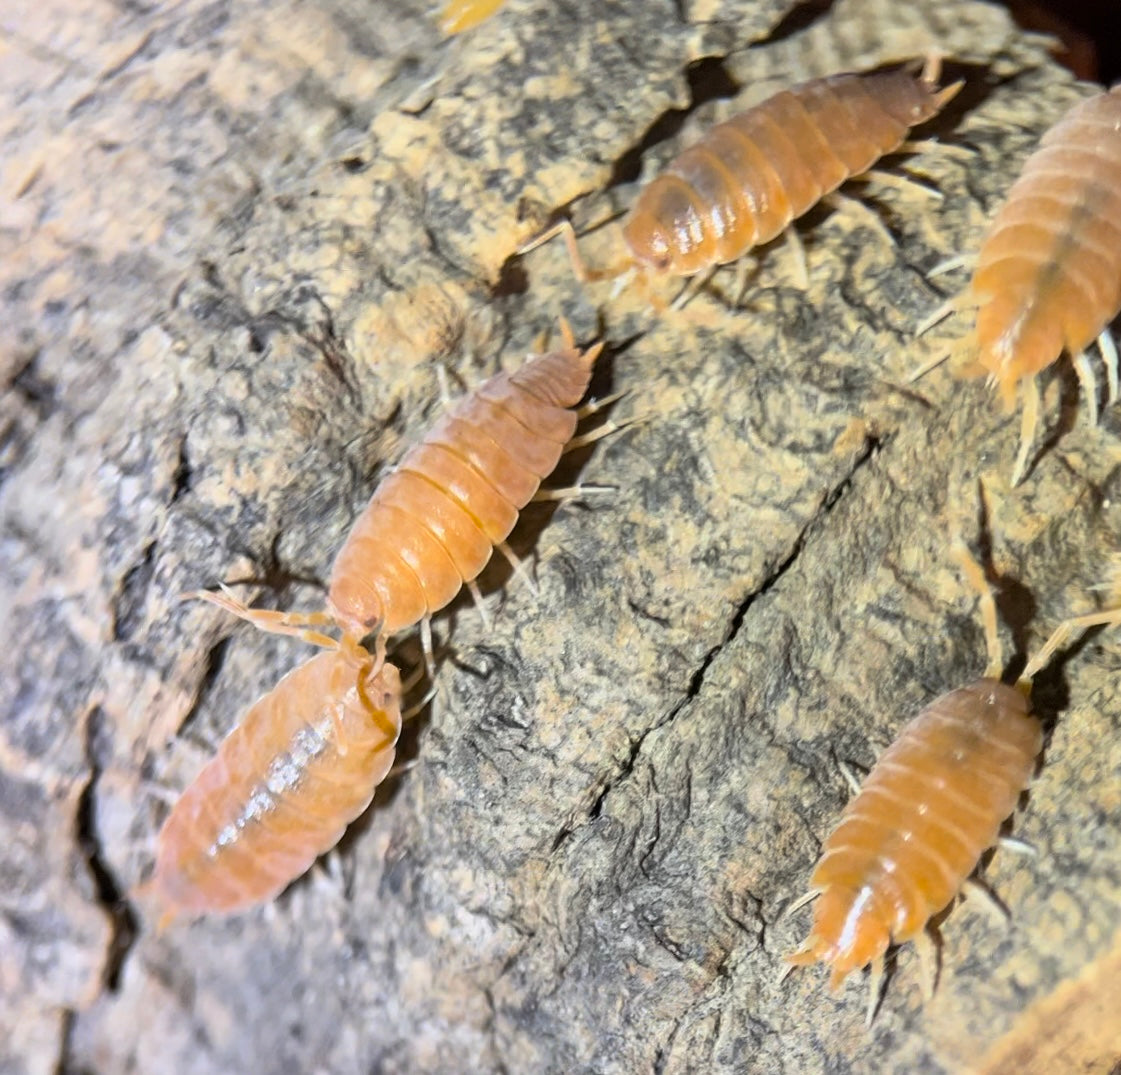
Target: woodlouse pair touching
(748, 178)
(309, 754)
(933, 804)
(1048, 275)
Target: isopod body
(744, 182)
(433, 523)
(283, 787)
(932, 805)
(1048, 274)
(749, 177)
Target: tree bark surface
(237, 245)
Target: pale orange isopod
(284, 785)
(931, 806)
(748, 178)
(434, 521)
(461, 15)
(1048, 275)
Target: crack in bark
(110, 894)
(708, 80)
(799, 19)
(868, 450)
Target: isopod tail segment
(909, 842)
(747, 179)
(1048, 274)
(966, 361)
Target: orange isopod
(748, 178)
(433, 523)
(932, 805)
(1048, 275)
(461, 15)
(284, 785)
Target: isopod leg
(850, 777)
(692, 286)
(1067, 630)
(1017, 847)
(1089, 386)
(426, 642)
(993, 907)
(927, 951)
(844, 204)
(597, 405)
(515, 561)
(875, 989)
(477, 597)
(1028, 427)
(932, 145)
(801, 902)
(975, 576)
(580, 268)
(571, 492)
(604, 430)
(798, 254)
(296, 624)
(1109, 357)
(958, 261)
(904, 184)
(744, 268)
(961, 301)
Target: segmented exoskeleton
(749, 177)
(930, 808)
(284, 785)
(1048, 275)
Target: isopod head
(355, 603)
(647, 242)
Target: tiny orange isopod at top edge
(1048, 275)
(434, 521)
(461, 15)
(929, 809)
(284, 785)
(748, 178)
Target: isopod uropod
(1048, 275)
(931, 806)
(749, 177)
(284, 785)
(434, 521)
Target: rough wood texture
(236, 243)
